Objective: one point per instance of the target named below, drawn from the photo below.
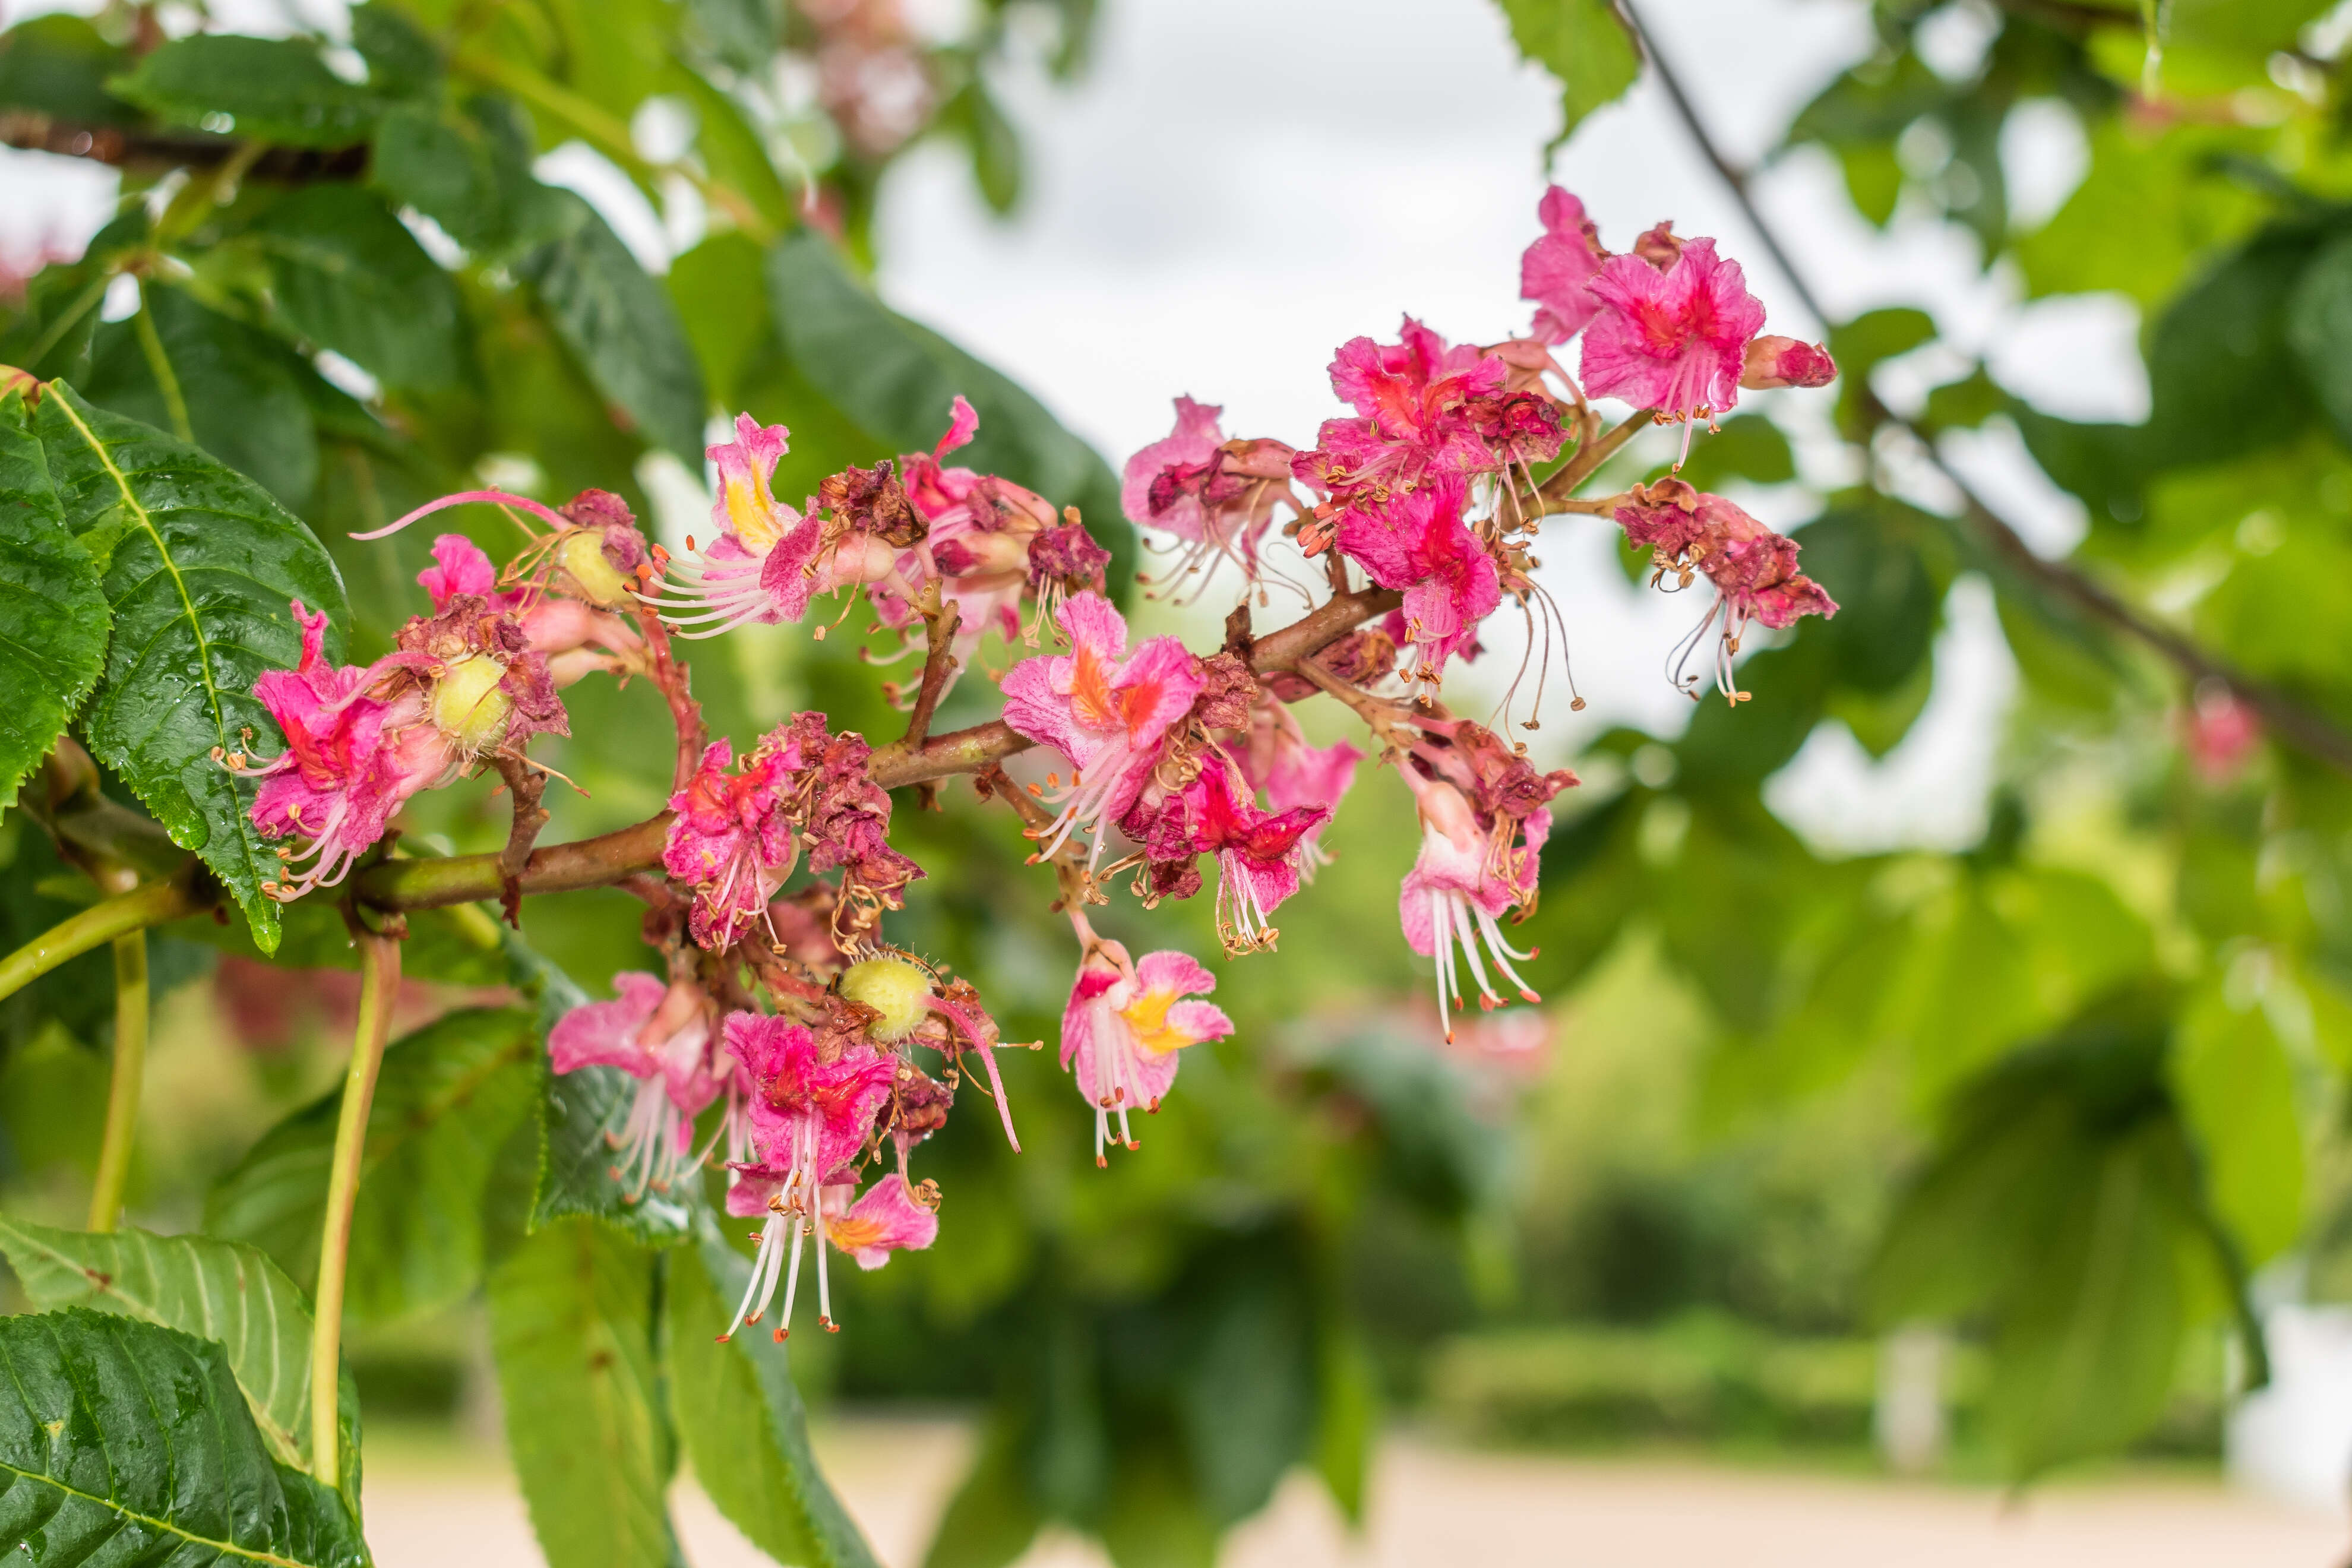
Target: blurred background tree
(2067, 1093)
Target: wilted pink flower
(660, 1035)
(1557, 267)
(565, 630)
(1109, 712)
(1774, 362)
(1124, 1025)
(1292, 773)
(1424, 411)
(729, 841)
(810, 1118)
(1419, 543)
(1216, 496)
(1258, 853)
(1754, 570)
(841, 816)
(351, 758)
(1674, 340)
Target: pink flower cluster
(786, 1026)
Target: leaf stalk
(122, 1087)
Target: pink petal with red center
(1674, 340)
(604, 1034)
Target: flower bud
(468, 705)
(582, 555)
(893, 987)
(1784, 362)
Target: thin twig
(1590, 456)
(677, 689)
(941, 616)
(2300, 724)
(527, 784)
(129, 1070)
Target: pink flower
(1424, 410)
(1216, 496)
(843, 817)
(2220, 733)
(1124, 1025)
(459, 566)
(769, 559)
(1557, 269)
(981, 530)
(1784, 362)
(1460, 884)
(1111, 711)
(1257, 853)
(562, 628)
(810, 1119)
(1676, 340)
(353, 757)
(1419, 543)
(660, 1035)
(1292, 773)
(894, 1215)
(1754, 570)
(729, 841)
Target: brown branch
(149, 152)
(2302, 725)
(1555, 490)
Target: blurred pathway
(1437, 1505)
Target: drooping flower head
(1124, 1025)
(1217, 497)
(731, 841)
(1420, 543)
(1109, 711)
(659, 1035)
(810, 1115)
(1258, 853)
(1754, 570)
(1484, 815)
(1556, 270)
(1674, 339)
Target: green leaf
(2236, 1089)
(194, 374)
(2222, 379)
(269, 89)
(58, 66)
(53, 616)
(221, 1290)
(1861, 344)
(470, 173)
(401, 60)
(1746, 447)
(350, 277)
(993, 143)
(1246, 1400)
(991, 1518)
(618, 321)
(2319, 326)
(1348, 1405)
(898, 380)
(571, 1325)
(740, 1415)
(1585, 44)
(447, 1099)
(199, 566)
(124, 1442)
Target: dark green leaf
(220, 1291)
(571, 1325)
(1861, 344)
(470, 173)
(402, 61)
(1746, 447)
(993, 143)
(898, 380)
(2319, 325)
(124, 1442)
(351, 278)
(448, 1097)
(199, 566)
(622, 327)
(192, 373)
(2222, 379)
(53, 616)
(58, 66)
(271, 89)
(1247, 1399)
(2236, 1087)
(737, 1408)
(1584, 45)
(991, 1518)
